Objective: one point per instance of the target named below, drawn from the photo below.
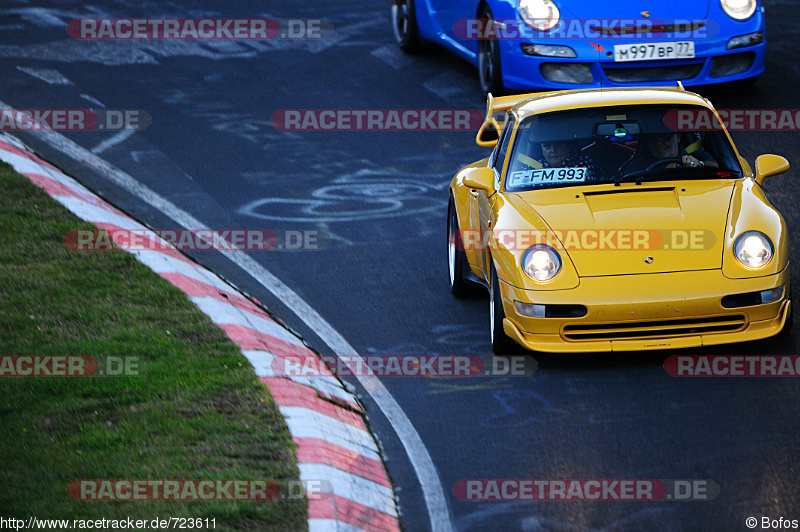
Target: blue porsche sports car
(558, 44)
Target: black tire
(456, 257)
(404, 25)
(501, 343)
(490, 72)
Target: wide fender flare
(750, 210)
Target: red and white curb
(326, 421)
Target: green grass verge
(195, 411)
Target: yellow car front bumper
(642, 312)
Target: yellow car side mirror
(480, 179)
(768, 164)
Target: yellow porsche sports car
(617, 220)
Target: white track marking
(418, 455)
(448, 86)
(90, 98)
(392, 56)
(53, 77)
(119, 138)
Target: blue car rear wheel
(404, 24)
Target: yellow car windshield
(611, 144)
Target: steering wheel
(665, 160)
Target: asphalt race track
(377, 201)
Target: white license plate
(548, 175)
(654, 50)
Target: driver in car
(665, 146)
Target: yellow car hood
(637, 228)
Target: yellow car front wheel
(501, 343)
(456, 257)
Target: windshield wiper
(668, 174)
(639, 175)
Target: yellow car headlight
(753, 249)
(541, 262)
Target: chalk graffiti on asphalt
(362, 195)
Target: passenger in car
(559, 154)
